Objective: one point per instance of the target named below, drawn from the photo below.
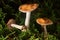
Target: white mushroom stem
(17, 26)
(27, 20)
(45, 32)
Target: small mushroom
(44, 22)
(27, 8)
(12, 23)
(21, 27)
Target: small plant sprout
(27, 8)
(44, 22)
(12, 23)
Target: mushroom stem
(27, 20)
(45, 32)
(17, 26)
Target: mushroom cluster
(25, 8)
(44, 22)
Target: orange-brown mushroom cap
(11, 21)
(44, 21)
(28, 7)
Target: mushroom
(27, 8)
(44, 22)
(12, 23)
(21, 27)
